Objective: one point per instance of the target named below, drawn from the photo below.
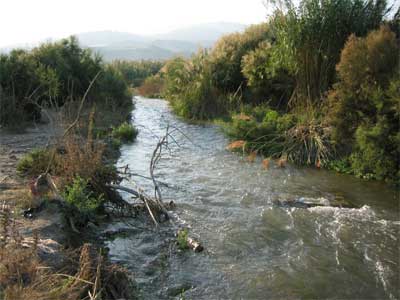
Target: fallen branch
(138, 195)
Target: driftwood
(194, 245)
(154, 205)
(148, 202)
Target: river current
(254, 249)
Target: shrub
(125, 132)
(364, 105)
(301, 138)
(375, 154)
(34, 162)
(79, 195)
(189, 88)
(309, 38)
(263, 81)
(136, 72)
(53, 74)
(152, 87)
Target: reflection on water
(255, 249)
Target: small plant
(81, 197)
(182, 239)
(125, 132)
(34, 162)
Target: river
(254, 249)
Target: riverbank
(42, 254)
(15, 195)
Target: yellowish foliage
(265, 163)
(242, 117)
(281, 162)
(239, 144)
(252, 156)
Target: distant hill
(202, 32)
(123, 45)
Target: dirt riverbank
(15, 193)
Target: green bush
(125, 132)
(79, 196)
(136, 72)
(152, 87)
(364, 105)
(375, 154)
(189, 88)
(34, 162)
(339, 165)
(309, 36)
(53, 74)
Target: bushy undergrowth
(300, 138)
(364, 105)
(53, 74)
(125, 132)
(152, 86)
(80, 196)
(136, 73)
(34, 162)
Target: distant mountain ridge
(123, 45)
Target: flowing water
(255, 249)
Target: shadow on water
(255, 249)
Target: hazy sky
(25, 21)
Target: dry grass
(252, 156)
(86, 275)
(236, 145)
(265, 163)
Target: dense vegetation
(136, 72)
(317, 84)
(52, 75)
(57, 77)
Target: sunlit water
(254, 248)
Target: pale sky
(28, 21)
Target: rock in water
(307, 202)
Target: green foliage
(318, 84)
(211, 84)
(375, 154)
(300, 137)
(136, 72)
(34, 162)
(125, 132)
(79, 196)
(73, 67)
(340, 165)
(152, 86)
(263, 81)
(188, 86)
(51, 75)
(309, 39)
(112, 89)
(364, 104)
(226, 56)
(182, 239)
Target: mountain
(124, 45)
(108, 37)
(202, 32)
